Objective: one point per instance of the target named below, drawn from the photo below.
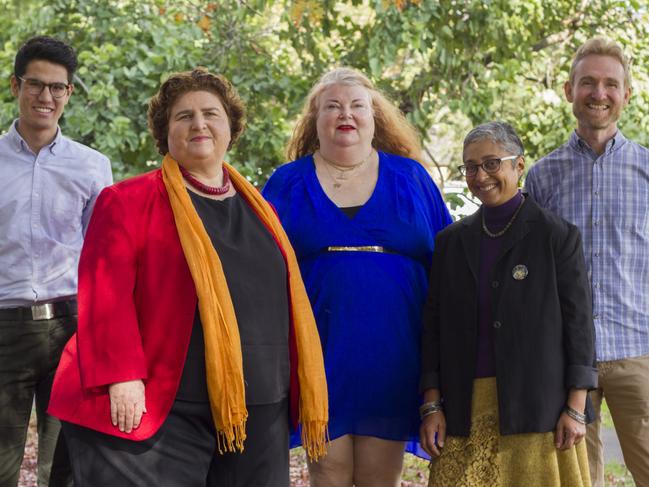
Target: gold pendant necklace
(341, 177)
(509, 223)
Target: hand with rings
(568, 432)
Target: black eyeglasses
(36, 87)
(490, 166)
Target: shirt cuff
(581, 377)
(428, 380)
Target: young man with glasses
(599, 180)
(48, 185)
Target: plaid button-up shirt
(607, 197)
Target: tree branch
(439, 168)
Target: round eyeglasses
(36, 87)
(490, 166)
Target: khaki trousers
(625, 386)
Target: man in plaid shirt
(599, 180)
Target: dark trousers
(184, 452)
(29, 354)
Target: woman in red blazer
(191, 316)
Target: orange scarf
(223, 358)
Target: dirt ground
(415, 472)
(28, 469)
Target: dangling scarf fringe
(223, 360)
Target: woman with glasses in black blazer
(508, 339)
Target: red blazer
(136, 309)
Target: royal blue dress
(367, 305)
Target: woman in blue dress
(362, 215)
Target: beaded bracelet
(429, 408)
(576, 415)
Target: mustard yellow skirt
(487, 459)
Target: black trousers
(184, 452)
(29, 354)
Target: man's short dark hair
(45, 48)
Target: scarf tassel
(315, 437)
(231, 440)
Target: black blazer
(544, 334)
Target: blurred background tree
(448, 64)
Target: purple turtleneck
(496, 217)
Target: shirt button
(597, 285)
(596, 254)
(495, 284)
(595, 316)
(595, 222)
(596, 193)
(497, 324)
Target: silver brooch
(519, 272)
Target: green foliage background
(448, 64)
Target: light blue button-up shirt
(45, 204)
(607, 197)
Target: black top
(256, 275)
(350, 211)
(495, 218)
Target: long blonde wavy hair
(393, 133)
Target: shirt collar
(581, 145)
(19, 144)
(57, 143)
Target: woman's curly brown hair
(199, 79)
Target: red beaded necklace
(204, 188)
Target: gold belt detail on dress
(360, 248)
